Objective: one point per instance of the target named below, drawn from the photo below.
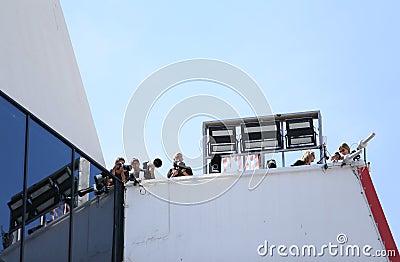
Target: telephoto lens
(127, 167)
(157, 162)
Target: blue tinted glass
(47, 154)
(12, 144)
(49, 166)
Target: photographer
(121, 170)
(148, 169)
(135, 167)
(179, 169)
(336, 157)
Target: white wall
(292, 206)
(38, 69)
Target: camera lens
(157, 162)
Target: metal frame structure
(280, 120)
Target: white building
(326, 212)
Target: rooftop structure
(264, 136)
(50, 156)
(327, 209)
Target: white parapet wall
(297, 208)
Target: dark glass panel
(47, 154)
(48, 183)
(12, 144)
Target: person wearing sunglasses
(344, 149)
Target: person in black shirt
(180, 168)
(307, 158)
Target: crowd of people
(309, 156)
(132, 172)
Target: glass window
(49, 179)
(12, 144)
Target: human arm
(187, 171)
(172, 173)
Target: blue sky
(339, 57)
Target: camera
(180, 169)
(147, 165)
(179, 165)
(148, 170)
(101, 185)
(120, 165)
(156, 163)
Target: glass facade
(47, 180)
(12, 148)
